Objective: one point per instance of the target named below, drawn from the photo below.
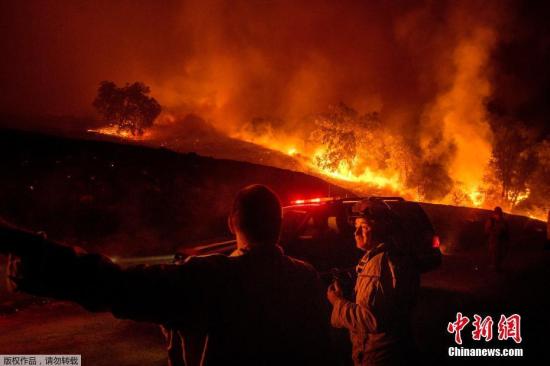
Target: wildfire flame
(363, 181)
(368, 176)
(116, 132)
(476, 197)
(472, 193)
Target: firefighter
(260, 307)
(497, 229)
(385, 292)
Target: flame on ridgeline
(354, 173)
(117, 132)
(369, 180)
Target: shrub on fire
(342, 132)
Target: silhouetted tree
(128, 107)
(538, 202)
(513, 159)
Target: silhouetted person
(547, 245)
(175, 347)
(259, 307)
(183, 349)
(385, 293)
(499, 237)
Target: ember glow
(124, 134)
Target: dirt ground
(463, 283)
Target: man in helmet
(385, 292)
(259, 307)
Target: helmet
(386, 224)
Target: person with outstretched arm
(259, 307)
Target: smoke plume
(424, 67)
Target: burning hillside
(438, 101)
(352, 151)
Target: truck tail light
(435, 241)
(313, 200)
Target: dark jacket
(260, 308)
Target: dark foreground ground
(463, 283)
(129, 200)
(125, 199)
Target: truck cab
(321, 231)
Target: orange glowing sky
(436, 71)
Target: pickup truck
(321, 232)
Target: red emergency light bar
(313, 200)
(435, 242)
